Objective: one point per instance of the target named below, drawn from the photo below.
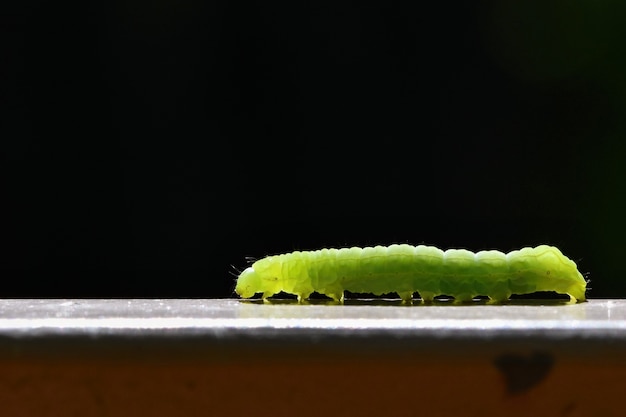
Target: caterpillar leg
(499, 298)
(266, 295)
(303, 297)
(406, 296)
(463, 298)
(339, 297)
(426, 296)
(335, 292)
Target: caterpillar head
(248, 283)
(262, 276)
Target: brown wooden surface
(306, 386)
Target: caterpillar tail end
(577, 291)
(577, 296)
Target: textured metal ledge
(573, 328)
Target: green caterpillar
(405, 269)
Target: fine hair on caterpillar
(405, 269)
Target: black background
(150, 147)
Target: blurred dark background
(151, 146)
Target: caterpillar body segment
(406, 269)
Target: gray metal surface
(593, 324)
